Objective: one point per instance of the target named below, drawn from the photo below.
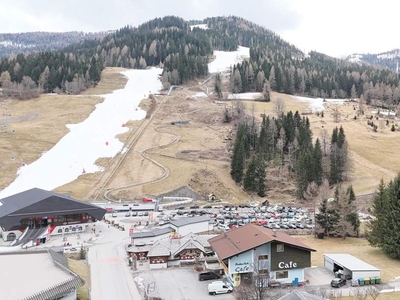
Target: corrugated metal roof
(152, 233)
(189, 220)
(351, 262)
(241, 239)
(158, 250)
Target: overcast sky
(334, 27)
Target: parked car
(194, 207)
(219, 287)
(207, 207)
(127, 214)
(208, 275)
(134, 213)
(338, 282)
(140, 214)
(180, 207)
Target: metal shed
(351, 266)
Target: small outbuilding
(351, 267)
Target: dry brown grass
(359, 248)
(35, 126)
(82, 270)
(111, 79)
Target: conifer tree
(217, 86)
(383, 229)
(318, 168)
(239, 155)
(261, 176)
(249, 181)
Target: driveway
(318, 276)
(109, 271)
(176, 284)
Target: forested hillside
(26, 42)
(389, 59)
(184, 53)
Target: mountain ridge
(387, 59)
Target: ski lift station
(351, 267)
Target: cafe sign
(241, 267)
(289, 265)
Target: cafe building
(272, 255)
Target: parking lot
(176, 284)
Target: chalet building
(174, 251)
(250, 249)
(181, 227)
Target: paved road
(110, 275)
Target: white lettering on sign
(290, 265)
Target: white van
(219, 287)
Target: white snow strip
(95, 137)
(201, 26)
(199, 95)
(244, 96)
(317, 104)
(224, 59)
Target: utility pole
(6, 115)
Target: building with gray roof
(37, 209)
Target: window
(281, 274)
(280, 247)
(263, 257)
(262, 272)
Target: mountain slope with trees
(389, 59)
(27, 42)
(183, 53)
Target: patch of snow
(199, 95)
(389, 55)
(244, 96)
(17, 45)
(355, 58)
(317, 104)
(124, 150)
(224, 59)
(91, 139)
(384, 113)
(201, 26)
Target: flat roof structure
(350, 262)
(48, 275)
(37, 202)
(190, 220)
(152, 233)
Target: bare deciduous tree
(361, 105)
(279, 107)
(324, 137)
(335, 295)
(359, 293)
(256, 288)
(373, 291)
(336, 114)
